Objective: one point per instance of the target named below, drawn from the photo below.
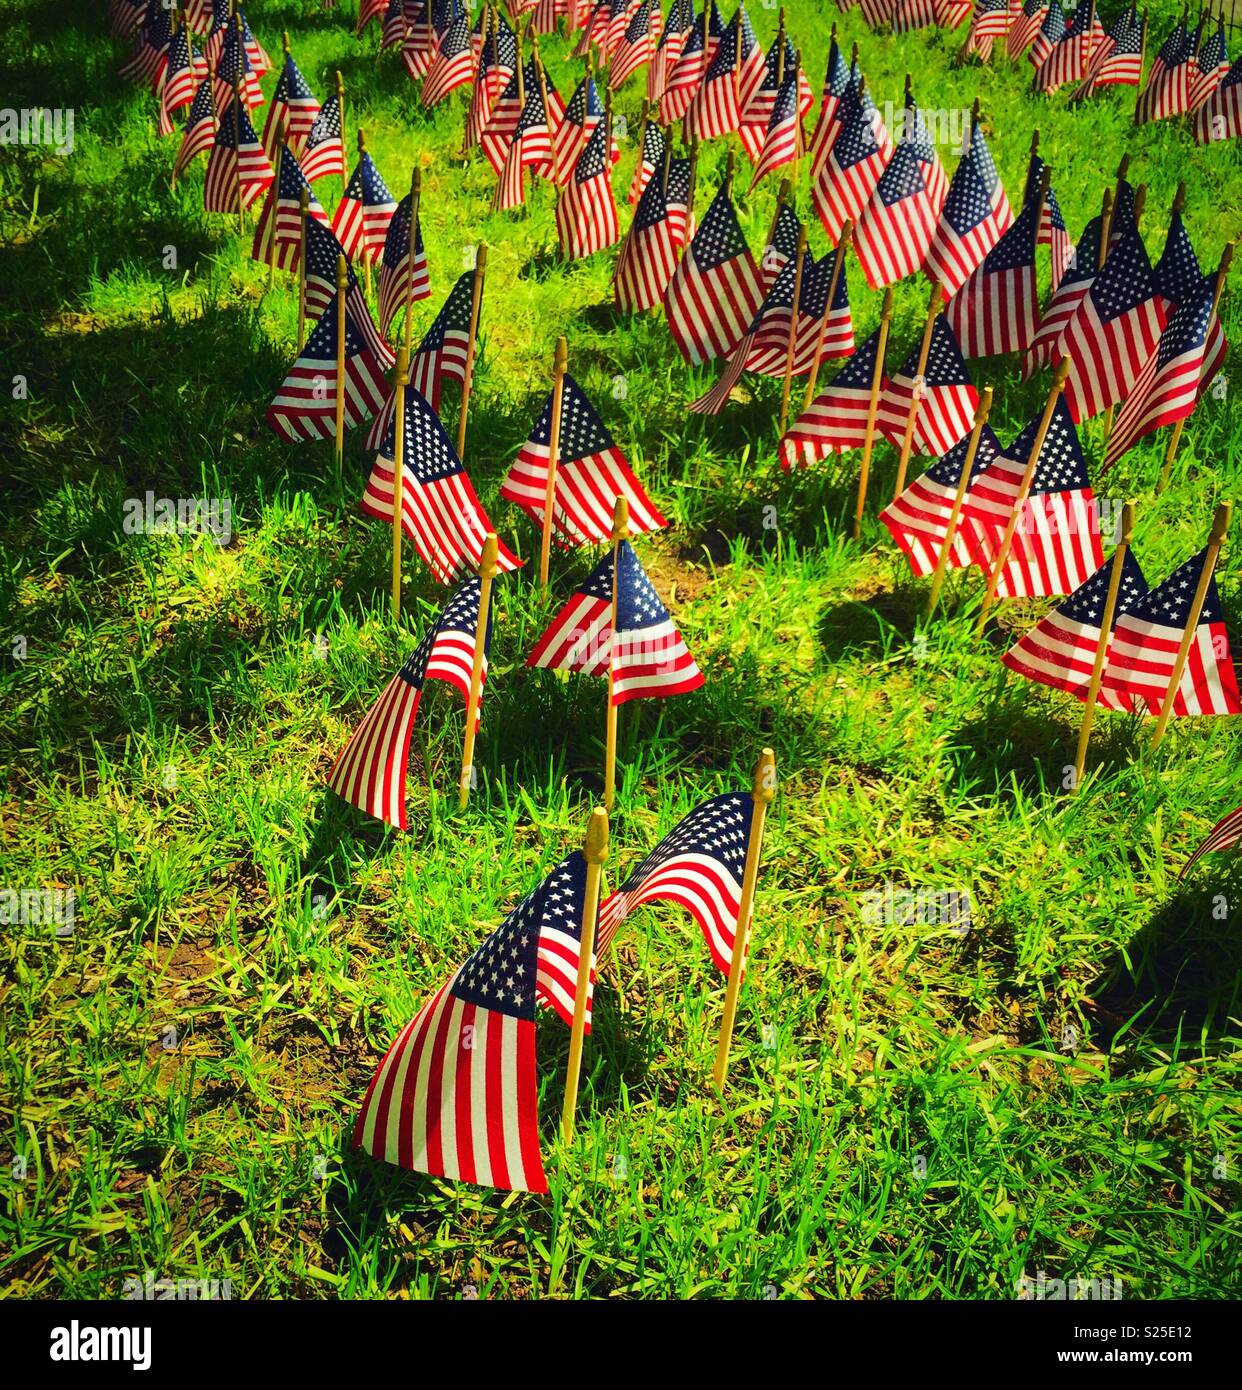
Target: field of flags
(951, 357)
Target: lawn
(913, 1111)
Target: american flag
(441, 355)
(853, 164)
(530, 147)
(975, 214)
(1119, 61)
(836, 80)
(759, 97)
(546, 13)
(254, 49)
(716, 290)
(997, 309)
(989, 22)
(420, 43)
(583, 113)
(699, 865)
(618, 20)
(1220, 116)
(685, 76)
(946, 395)
(916, 129)
(305, 405)
(1049, 34)
(951, 13)
(393, 25)
(324, 153)
(1056, 543)
(1146, 642)
(361, 220)
(668, 48)
(489, 79)
(1225, 835)
(909, 15)
(782, 244)
(234, 69)
(648, 255)
(918, 519)
(236, 158)
(646, 654)
(1024, 28)
(1052, 230)
(715, 109)
(1115, 330)
(200, 128)
(370, 771)
(453, 64)
(1060, 649)
(896, 227)
(591, 473)
(655, 146)
(836, 419)
(457, 1094)
(395, 280)
(292, 102)
(145, 64)
(1210, 69)
(178, 80)
(782, 141)
(440, 512)
(367, 11)
(1066, 300)
(586, 215)
(505, 114)
(637, 43)
(765, 348)
(281, 217)
(1177, 272)
(1168, 86)
(1167, 388)
(323, 253)
(878, 12)
(1067, 62)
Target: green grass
(287, 938)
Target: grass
(912, 1113)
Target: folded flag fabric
(989, 22)
(583, 113)
(323, 254)
(637, 44)
(836, 419)
(836, 80)
(278, 234)
(293, 105)
(237, 168)
(1226, 833)
(648, 256)
(591, 473)
(530, 147)
(896, 227)
(396, 278)
(1050, 33)
(1168, 86)
(370, 771)
(946, 394)
(363, 215)
(440, 512)
(918, 520)
(997, 309)
(976, 213)
(457, 1094)
(1178, 276)
(782, 246)
(178, 79)
(699, 865)
(1119, 61)
(853, 164)
(324, 153)
(453, 64)
(1048, 344)
(646, 655)
(1060, 649)
(1146, 641)
(1024, 28)
(199, 132)
(1210, 68)
(586, 215)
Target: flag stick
(955, 512)
(792, 343)
(362, 249)
(1140, 195)
(487, 572)
(782, 197)
(1175, 438)
(304, 205)
(873, 406)
(275, 197)
(620, 529)
(1106, 227)
(1101, 647)
(847, 230)
(342, 284)
(241, 202)
(559, 364)
(595, 852)
(1220, 524)
(1138, 90)
(398, 473)
(668, 163)
(799, 138)
(340, 97)
(1024, 491)
(934, 306)
(476, 298)
(763, 791)
(416, 193)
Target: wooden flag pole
(955, 512)
(1175, 438)
(595, 852)
(1140, 195)
(620, 529)
(1106, 227)
(667, 166)
(792, 343)
(559, 363)
(799, 138)
(934, 307)
(275, 196)
(416, 194)
(1138, 90)
(487, 572)
(873, 406)
(782, 197)
(398, 473)
(241, 202)
(762, 792)
(340, 98)
(847, 231)
(1220, 524)
(342, 284)
(304, 205)
(362, 250)
(1101, 647)
(476, 299)
(1024, 491)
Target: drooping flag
(586, 215)
(237, 166)
(324, 154)
(1177, 272)
(782, 140)
(671, 41)
(715, 109)
(997, 309)
(235, 70)
(530, 147)
(948, 397)
(655, 146)
(279, 227)
(1168, 86)
(976, 213)
(178, 79)
(591, 474)
(1220, 116)
(583, 113)
(1062, 307)
(363, 215)
(1211, 67)
(1049, 34)
(1024, 28)
(760, 97)
(853, 164)
(836, 80)
(716, 290)
(370, 771)
(199, 133)
(649, 253)
(836, 419)
(782, 245)
(896, 226)
(453, 64)
(293, 103)
(989, 22)
(1052, 230)
(1119, 61)
(396, 279)
(323, 253)
(637, 44)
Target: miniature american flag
(234, 69)
(896, 227)
(1178, 276)
(997, 309)
(947, 396)
(178, 79)
(637, 43)
(1119, 61)
(1225, 834)
(1060, 311)
(281, 218)
(1168, 86)
(498, 132)
(199, 133)
(395, 278)
(716, 290)
(370, 771)
(583, 113)
(1220, 116)
(453, 65)
(292, 102)
(909, 15)
(591, 474)
(1210, 68)
(1024, 28)
(685, 76)
(323, 253)
(699, 864)
(648, 255)
(836, 419)
(782, 246)
(324, 153)
(586, 215)
(1052, 230)
(975, 215)
(836, 80)
(853, 164)
(715, 109)
(650, 160)
(439, 510)
(1050, 33)
(362, 217)
(236, 158)
(646, 655)
(668, 49)
(989, 22)
(782, 141)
